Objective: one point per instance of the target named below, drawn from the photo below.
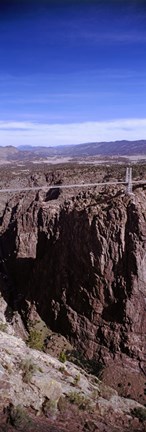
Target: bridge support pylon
(128, 181)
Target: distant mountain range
(115, 148)
(112, 148)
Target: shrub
(77, 379)
(28, 368)
(35, 340)
(61, 369)
(140, 413)
(49, 406)
(78, 399)
(62, 357)
(17, 416)
(3, 327)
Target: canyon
(76, 262)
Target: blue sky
(72, 72)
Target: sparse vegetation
(95, 394)
(17, 416)
(77, 379)
(62, 357)
(35, 340)
(3, 327)
(61, 369)
(140, 413)
(28, 368)
(79, 399)
(49, 406)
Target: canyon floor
(72, 302)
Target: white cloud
(115, 37)
(18, 133)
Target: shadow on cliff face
(61, 279)
(52, 194)
(57, 279)
(124, 269)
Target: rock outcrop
(82, 262)
(39, 393)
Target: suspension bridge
(128, 182)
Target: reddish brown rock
(83, 263)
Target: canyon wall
(82, 261)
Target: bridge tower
(128, 180)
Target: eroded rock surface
(82, 262)
(39, 393)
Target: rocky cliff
(81, 261)
(39, 393)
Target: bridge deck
(67, 186)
